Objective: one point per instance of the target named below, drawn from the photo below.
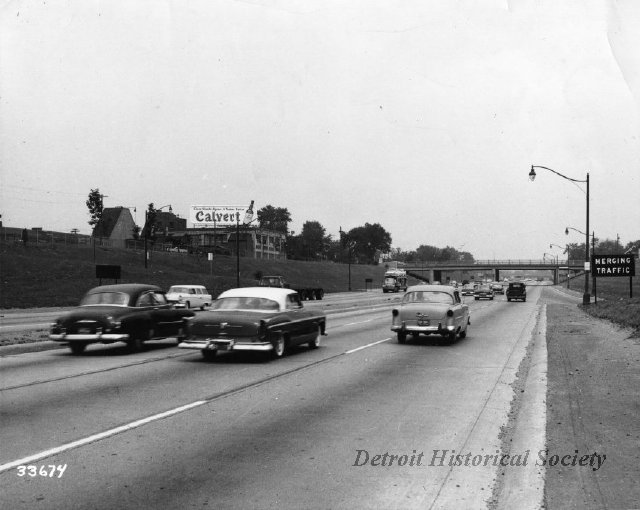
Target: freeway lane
(289, 440)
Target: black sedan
(483, 292)
(260, 319)
(131, 313)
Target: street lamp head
(532, 174)
(566, 231)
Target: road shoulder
(592, 411)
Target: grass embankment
(59, 275)
(614, 303)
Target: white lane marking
(123, 428)
(359, 322)
(96, 437)
(368, 345)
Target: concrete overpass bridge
(439, 271)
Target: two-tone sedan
(260, 319)
(431, 309)
(132, 313)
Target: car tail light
(449, 313)
(394, 312)
(262, 329)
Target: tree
(95, 205)
(274, 218)
(150, 222)
(314, 240)
(367, 240)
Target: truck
(394, 281)
(305, 292)
(516, 290)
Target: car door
(299, 324)
(460, 310)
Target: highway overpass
(438, 271)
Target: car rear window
(245, 303)
(105, 298)
(427, 297)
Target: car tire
(208, 354)
(77, 347)
(402, 337)
(415, 335)
(451, 337)
(135, 344)
(187, 305)
(279, 347)
(315, 343)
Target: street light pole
(586, 297)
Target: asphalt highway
(361, 422)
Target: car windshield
(105, 298)
(427, 297)
(245, 303)
(484, 288)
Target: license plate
(224, 346)
(84, 331)
(424, 322)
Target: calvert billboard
(613, 265)
(214, 216)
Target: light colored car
(260, 319)
(431, 309)
(189, 296)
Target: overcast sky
(423, 116)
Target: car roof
(189, 286)
(275, 293)
(126, 287)
(432, 288)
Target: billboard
(214, 216)
(613, 265)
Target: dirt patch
(592, 408)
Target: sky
(422, 116)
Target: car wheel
(187, 305)
(451, 337)
(208, 354)
(279, 346)
(77, 347)
(415, 335)
(135, 344)
(180, 336)
(402, 337)
(315, 343)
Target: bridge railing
(497, 262)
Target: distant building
(116, 225)
(257, 243)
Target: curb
(523, 487)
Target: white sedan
(431, 309)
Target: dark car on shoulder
(517, 291)
(259, 319)
(131, 312)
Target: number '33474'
(48, 471)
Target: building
(254, 242)
(115, 225)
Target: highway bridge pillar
(496, 274)
(555, 276)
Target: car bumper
(215, 344)
(409, 328)
(92, 337)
